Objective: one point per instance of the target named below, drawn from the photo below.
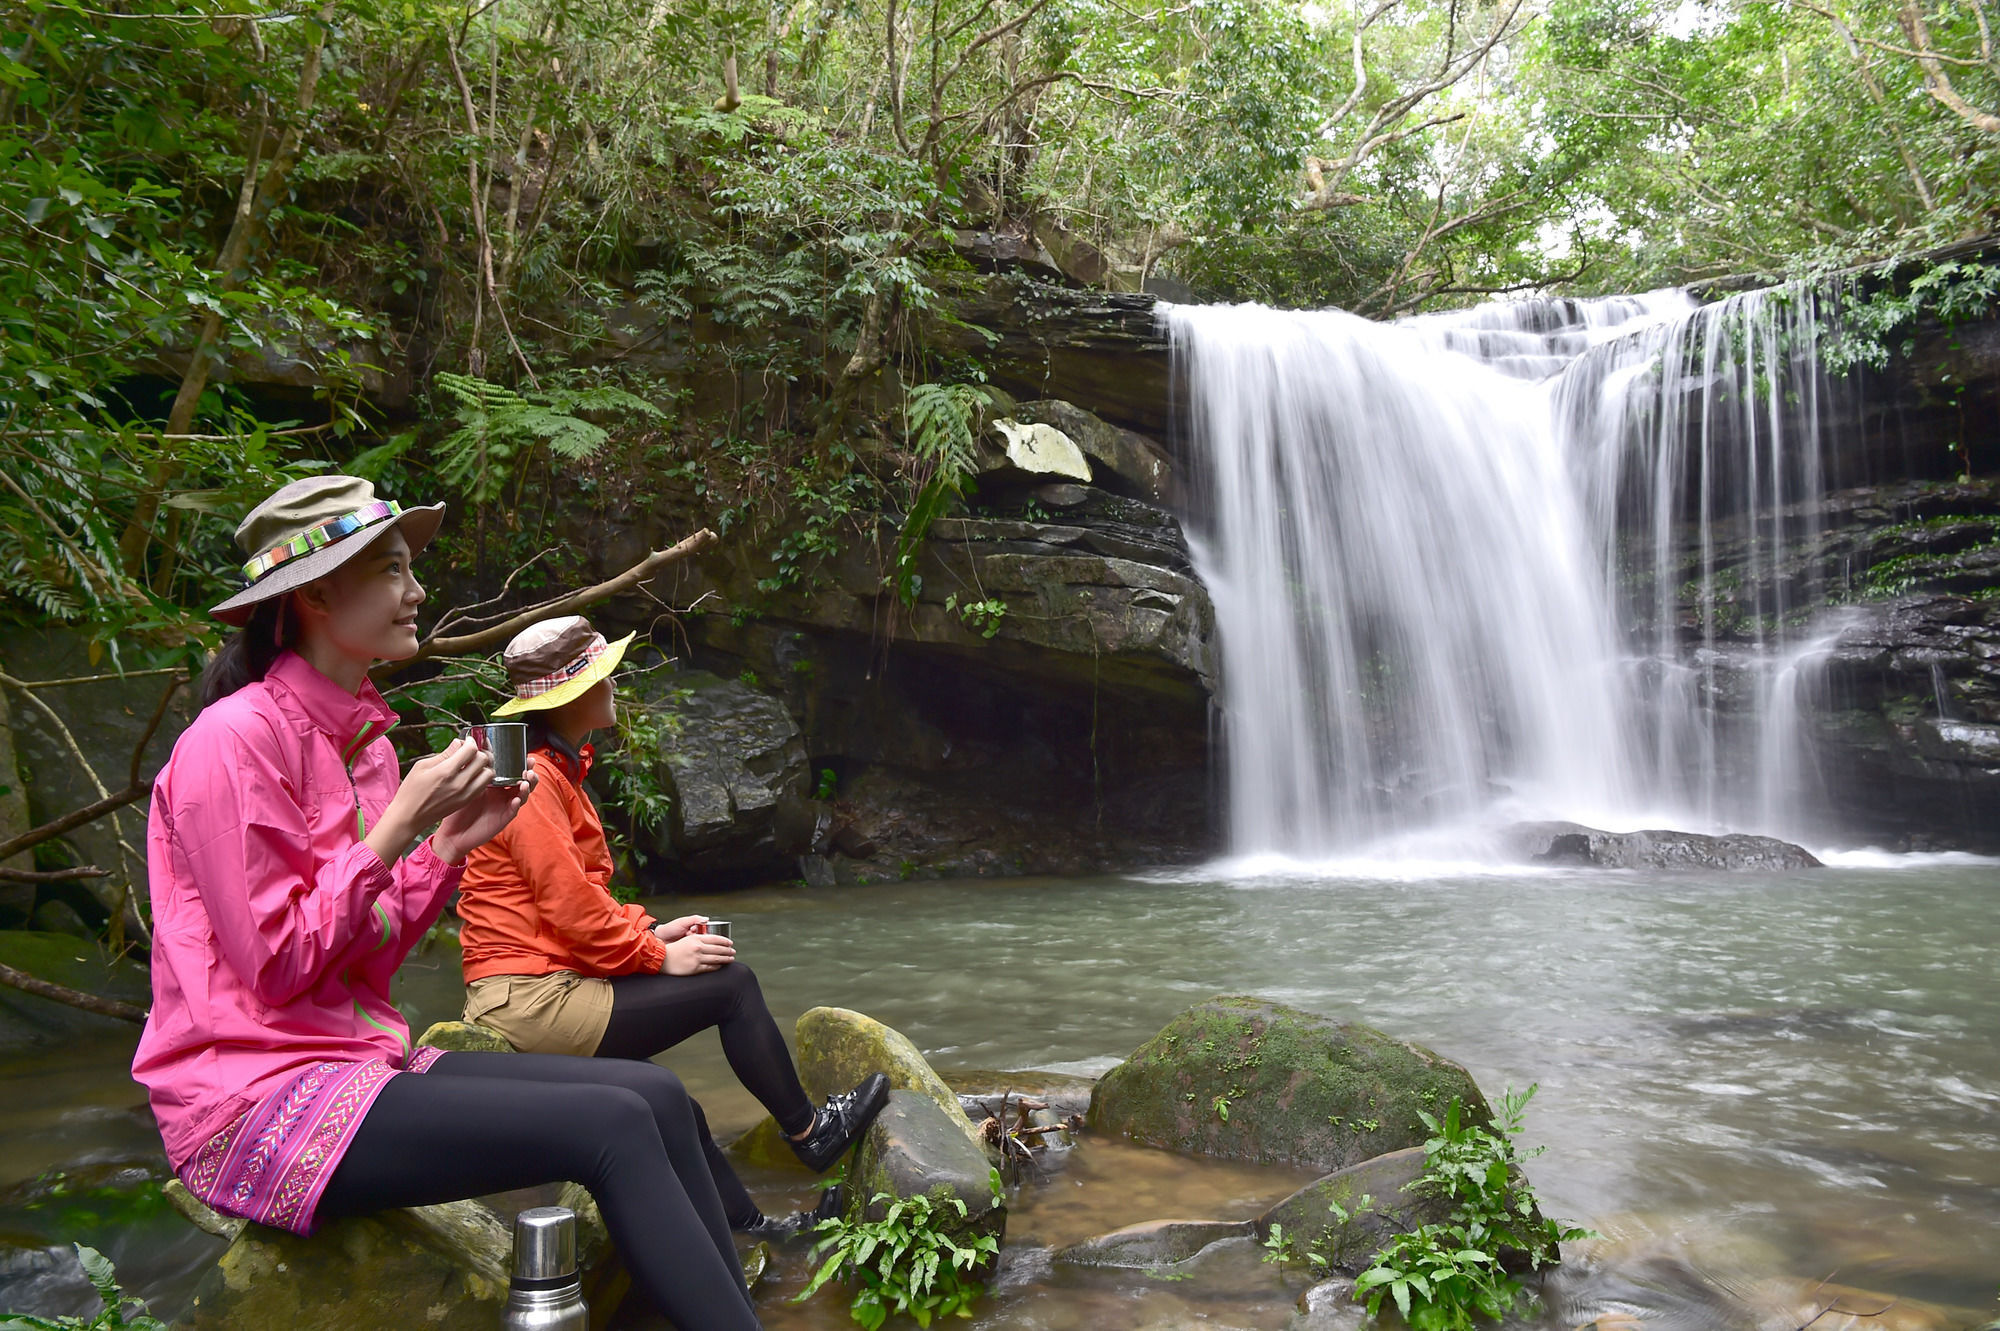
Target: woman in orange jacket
(556, 965)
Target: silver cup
(720, 928)
(506, 743)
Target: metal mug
(546, 1292)
(720, 928)
(506, 743)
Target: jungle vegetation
(697, 244)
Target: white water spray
(1452, 558)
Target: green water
(1749, 1082)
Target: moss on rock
(837, 1048)
(1248, 1079)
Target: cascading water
(1485, 564)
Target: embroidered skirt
(274, 1161)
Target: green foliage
(905, 1263)
(631, 767)
(940, 420)
(1444, 1276)
(1882, 322)
(829, 781)
(499, 429)
(119, 1310)
(985, 615)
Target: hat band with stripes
(322, 536)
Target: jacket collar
(574, 763)
(351, 720)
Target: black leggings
(480, 1123)
(652, 1013)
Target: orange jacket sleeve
(603, 937)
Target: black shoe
(799, 1224)
(841, 1121)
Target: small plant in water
(119, 1310)
(1443, 1276)
(906, 1262)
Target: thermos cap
(545, 1243)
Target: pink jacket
(275, 929)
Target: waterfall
(1491, 564)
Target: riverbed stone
(1561, 843)
(915, 1147)
(1329, 1306)
(465, 1037)
(1249, 1079)
(1153, 1243)
(838, 1047)
(434, 1266)
(1374, 1199)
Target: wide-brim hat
(557, 661)
(310, 528)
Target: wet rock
(1329, 1306)
(465, 1036)
(438, 1266)
(27, 1021)
(837, 1048)
(736, 756)
(1373, 1199)
(1248, 1079)
(1573, 843)
(59, 917)
(916, 1147)
(1153, 1243)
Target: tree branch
(103, 1007)
(1936, 81)
(81, 871)
(487, 639)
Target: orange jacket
(534, 899)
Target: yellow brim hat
(567, 682)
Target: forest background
(444, 220)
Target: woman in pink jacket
(289, 881)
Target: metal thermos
(546, 1293)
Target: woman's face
(596, 708)
(367, 608)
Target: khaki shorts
(559, 1013)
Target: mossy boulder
(465, 1037)
(837, 1048)
(27, 1020)
(434, 1266)
(1248, 1079)
(914, 1147)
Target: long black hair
(248, 653)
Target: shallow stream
(1749, 1084)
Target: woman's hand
(672, 931)
(435, 788)
(479, 821)
(693, 954)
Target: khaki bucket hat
(556, 661)
(310, 528)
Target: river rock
(736, 754)
(1373, 1196)
(28, 1021)
(435, 1266)
(838, 1047)
(1329, 1306)
(1249, 1079)
(1153, 1243)
(465, 1036)
(916, 1147)
(1572, 843)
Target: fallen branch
(104, 1007)
(89, 813)
(487, 639)
(52, 875)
